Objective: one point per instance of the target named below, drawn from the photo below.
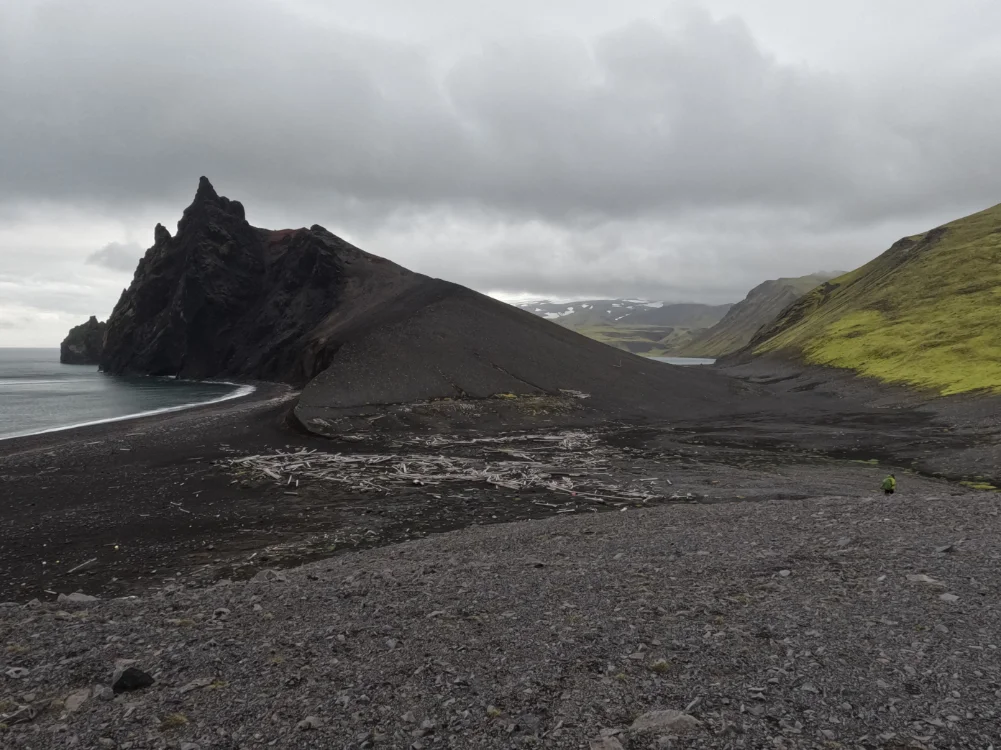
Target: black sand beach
(117, 508)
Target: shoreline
(241, 390)
(165, 420)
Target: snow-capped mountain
(610, 308)
(591, 312)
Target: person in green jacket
(889, 485)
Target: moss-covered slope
(760, 307)
(926, 313)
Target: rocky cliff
(82, 346)
(223, 298)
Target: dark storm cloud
(116, 256)
(118, 102)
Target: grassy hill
(926, 313)
(761, 306)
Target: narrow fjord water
(38, 394)
(684, 361)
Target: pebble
(606, 743)
(17, 673)
(669, 720)
(309, 723)
(949, 598)
(270, 576)
(196, 684)
(785, 573)
(76, 700)
(77, 597)
(922, 578)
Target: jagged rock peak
(207, 201)
(161, 234)
(205, 190)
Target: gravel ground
(827, 622)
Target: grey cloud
(668, 157)
(655, 117)
(116, 256)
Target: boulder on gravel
(130, 678)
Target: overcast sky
(565, 148)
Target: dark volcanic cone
(225, 299)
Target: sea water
(684, 360)
(38, 394)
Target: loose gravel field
(825, 622)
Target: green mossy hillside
(760, 307)
(926, 313)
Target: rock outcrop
(82, 346)
(222, 298)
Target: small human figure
(889, 485)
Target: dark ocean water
(37, 394)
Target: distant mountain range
(685, 329)
(635, 325)
(924, 313)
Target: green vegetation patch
(924, 314)
(651, 341)
(979, 485)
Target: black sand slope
(461, 346)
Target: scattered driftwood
(568, 463)
(83, 565)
